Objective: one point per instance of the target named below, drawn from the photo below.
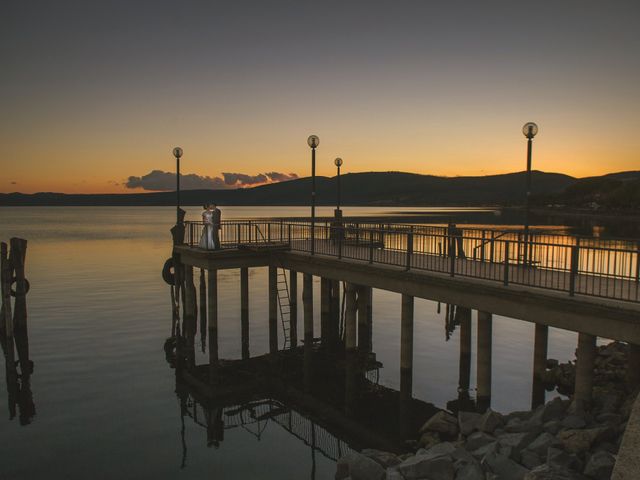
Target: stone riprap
(554, 441)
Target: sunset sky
(95, 92)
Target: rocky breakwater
(553, 441)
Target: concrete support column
(406, 362)
(540, 346)
(586, 355)
(189, 324)
(273, 309)
(335, 313)
(464, 367)
(350, 320)
(203, 310)
(293, 308)
(485, 334)
(364, 324)
(633, 369)
(307, 301)
(325, 311)
(212, 313)
(244, 311)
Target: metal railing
(576, 265)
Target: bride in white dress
(206, 240)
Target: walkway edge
(627, 465)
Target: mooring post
(273, 309)
(350, 317)
(484, 339)
(244, 311)
(585, 360)
(17, 262)
(293, 308)
(540, 346)
(212, 310)
(325, 311)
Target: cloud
(157, 180)
(281, 177)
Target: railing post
(269, 232)
(191, 234)
(453, 252)
(409, 248)
(506, 263)
(289, 233)
(482, 246)
(239, 234)
(491, 247)
(313, 238)
(281, 230)
(638, 263)
(340, 230)
(575, 256)
(250, 230)
(370, 246)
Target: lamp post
(338, 164)
(313, 141)
(177, 152)
(529, 130)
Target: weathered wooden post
(540, 346)
(244, 311)
(6, 272)
(484, 340)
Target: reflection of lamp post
(177, 152)
(529, 130)
(313, 141)
(338, 164)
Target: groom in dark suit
(217, 225)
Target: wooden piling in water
(350, 317)
(325, 311)
(585, 361)
(364, 318)
(203, 310)
(463, 315)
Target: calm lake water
(99, 314)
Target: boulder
(554, 409)
(560, 459)
(440, 450)
(468, 470)
(393, 474)
(547, 472)
(385, 459)
(573, 422)
(483, 451)
(424, 466)
(600, 465)
(489, 421)
(552, 426)
(477, 440)
(502, 466)
(578, 441)
(442, 422)
(516, 441)
(541, 444)
(467, 422)
(429, 439)
(359, 467)
(530, 459)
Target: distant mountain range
(370, 188)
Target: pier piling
(484, 341)
(539, 364)
(293, 308)
(273, 309)
(350, 316)
(585, 354)
(212, 310)
(244, 311)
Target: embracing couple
(211, 217)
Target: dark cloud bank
(157, 180)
